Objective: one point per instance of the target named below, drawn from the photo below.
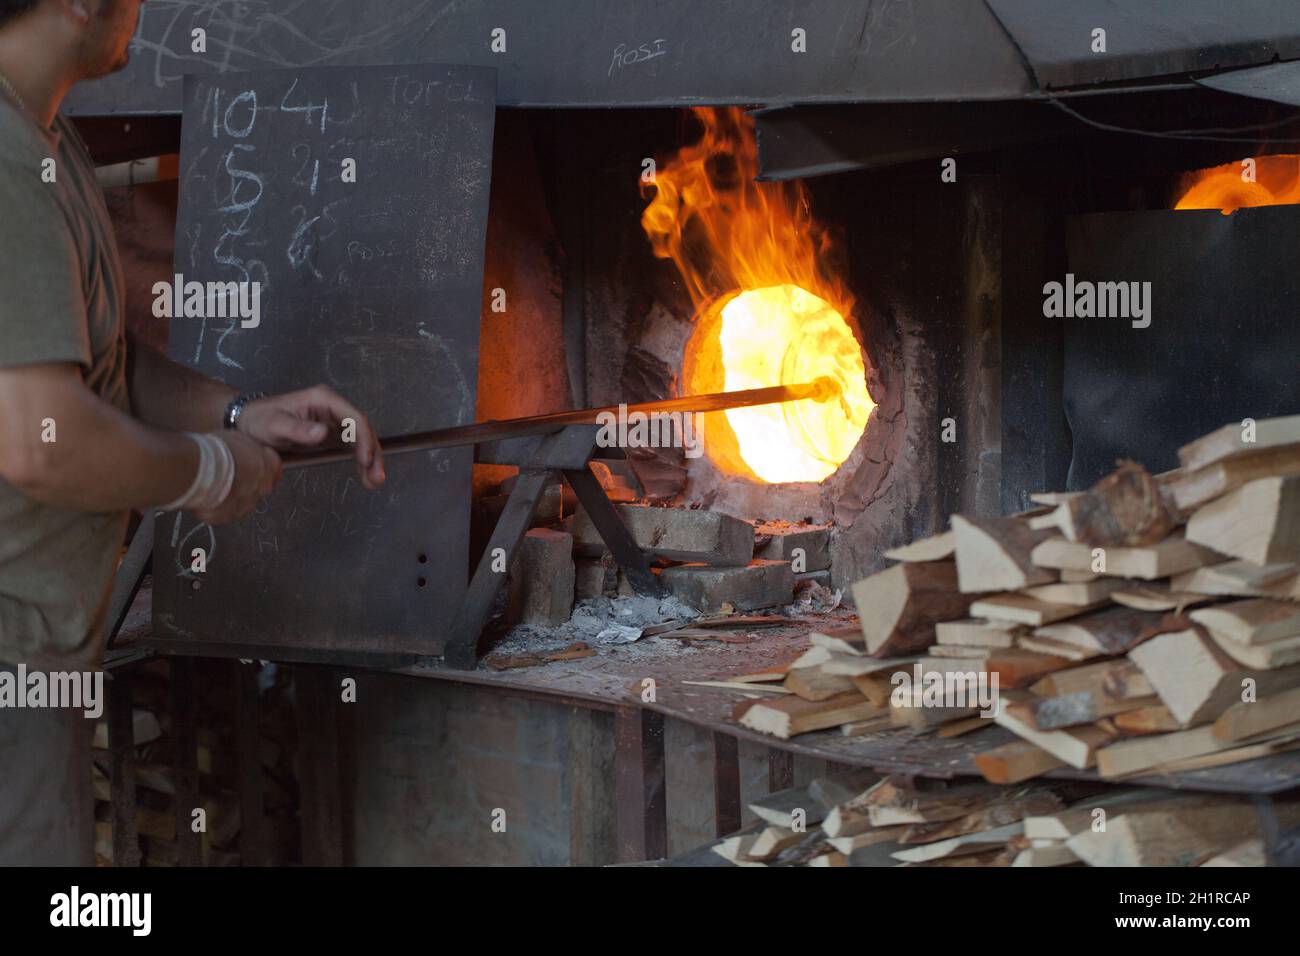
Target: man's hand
(257, 471)
(310, 417)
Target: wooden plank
(1171, 556)
(121, 761)
(993, 554)
(253, 847)
(185, 760)
(790, 716)
(1253, 621)
(904, 603)
(1230, 441)
(726, 783)
(1243, 579)
(1192, 489)
(641, 810)
(316, 700)
(1112, 630)
(1015, 762)
(1259, 522)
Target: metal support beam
(641, 817)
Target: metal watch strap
(236, 408)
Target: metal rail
(821, 390)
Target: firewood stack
(1146, 626)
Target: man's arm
(100, 459)
(169, 395)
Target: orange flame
(1276, 183)
(769, 309)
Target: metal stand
(542, 460)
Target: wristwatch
(236, 408)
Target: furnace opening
(778, 335)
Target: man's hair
(9, 9)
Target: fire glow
(770, 311)
(1276, 183)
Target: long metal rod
(821, 390)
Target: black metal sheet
(1278, 82)
(1223, 343)
(589, 52)
(372, 287)
(1149, 38)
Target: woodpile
(1147, 626)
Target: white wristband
(214, 478)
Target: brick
(815, 540)
(589, 578)
(678, 534)
(759, 584)
(542, 579)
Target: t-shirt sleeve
(42, 302)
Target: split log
(1227, 442)
(1022, 609)
(1114, 630)
(1015, 762)
(993, 554)
(1251, 718)
(1193, 489)
(1258, 522)
(1254, 621)
(1171, 556)
(790, 716)
(900, 605)
(1124, 509)
(1244, 579)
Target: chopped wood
(1269, 656)
(1015, 762)
(1246, 853)
(993, 554)
(1248, 718)
(853, 666)
(1076, 746)
(1182, 831)
(770, 842)
(960, 845)
(790, 716)
(813, 683)
(750, 688)
(1196, 680)
(921, 717)
(1243, 578)
(1138, 755)
(1113, 630)
(1008, 808)
(1193, 489)
(961, 653)
(1221, 758)
(1046, 854)
(1253, 621)
(1124, 509)
(1083, 815)
(1014, 667)
(936, 548)
(778, 808)
(762, 677)
(735, 849)
(847, 844)
(1078, 593)
(1105, 678)
(975, 632)
(893, 801)
(1228, 441)
(1155, 719)
(1071, 710)
(815, 656)
(1022, 609)
(834, 789)
(1075, 576)
(840, 640)
(900, 605)
(1046, 645)
(876, 688)
(1157, 597)
(829, 859)
(845, 821)
(857, 728)
(1171, 556)
(1259, 522)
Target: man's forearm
(169, 395)
(62, 445)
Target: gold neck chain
(9, 88)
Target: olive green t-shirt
(61, 300)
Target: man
(91, 423)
